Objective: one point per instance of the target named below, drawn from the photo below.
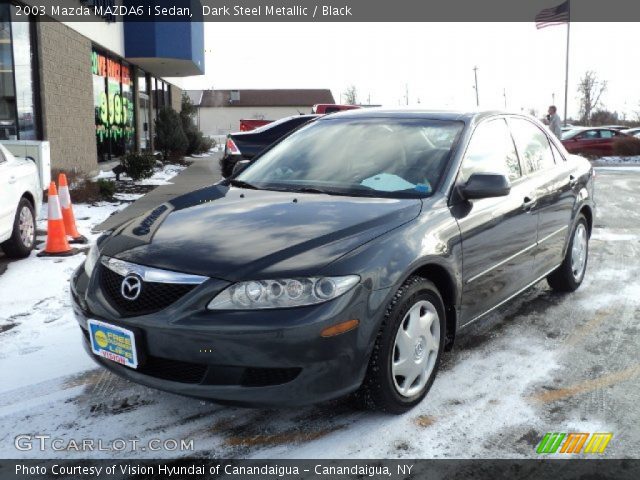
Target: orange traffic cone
(67, 211)
(57, 244)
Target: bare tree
(590, 89)
(351, 95)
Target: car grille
(153, 298)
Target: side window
(491, 150)
(533, 146)
(606, 134)
(2, 157)
(589, 135)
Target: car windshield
(382, 157)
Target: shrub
(138, 165)
(194, 138)
(206, 144)
(106, 188)
(197, 142)
(170, 136)
(626, 146)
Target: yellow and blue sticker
(113, 343)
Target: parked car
(334, 262)
(596, 141)
(20, 200)
(246, 145)
(614, 127)
(634, 132)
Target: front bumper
(253, 358)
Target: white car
(20, 201)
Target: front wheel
(407, 352)
(23, 237)
(569, 275)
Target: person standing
(553, 121)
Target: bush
(626, 146)
(138, 165)
(106, 188)
(197, 142)
(206, 144)
(170, 136)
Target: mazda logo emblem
(131, 287)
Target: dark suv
(346, 258)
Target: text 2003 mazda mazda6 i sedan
(345, 258)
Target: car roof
(469, 117)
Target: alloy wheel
(26, 226)
(579, 252)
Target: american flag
(553, 16)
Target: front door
(498, 234)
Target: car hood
(234, 234)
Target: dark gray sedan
(345, 258)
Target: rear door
(550, 176)
(588, 142)
(498, 234)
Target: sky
(433, 61)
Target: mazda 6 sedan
(345, 258)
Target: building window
(18, 109)
(113, 101)
(144, 112)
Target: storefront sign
(114, 105)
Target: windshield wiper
(314, 190)
(242, 184)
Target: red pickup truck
(248, 125)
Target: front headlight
(285, 293)
(93, 255)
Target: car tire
(570, 274)
(23, 236)
(385, 388)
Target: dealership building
(91, 89)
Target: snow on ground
(160, 176)
(546, 362)
(35, 309)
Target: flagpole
(566, 72)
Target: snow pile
(161, 176)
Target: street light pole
(475, 74)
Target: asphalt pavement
(546, 362)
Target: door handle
(528, 203)
(573, 181)
(12, 179)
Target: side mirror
(485, 185)
(239, 167)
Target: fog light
(340, 328)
